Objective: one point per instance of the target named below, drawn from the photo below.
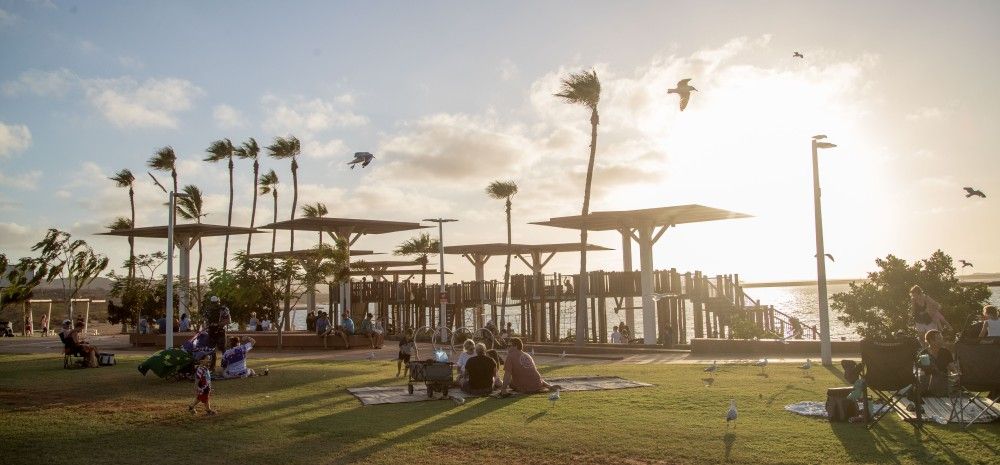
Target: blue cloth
(348, 325)
(185, 325)
(322, 325)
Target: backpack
(838, 406)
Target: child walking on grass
(202, 387)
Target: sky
(452, 95)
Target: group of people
(479, 370)
(258, 324)
(621, 334)
(369, 327)
(28, 327)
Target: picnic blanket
(375, 395)
(166, 363)
(939, 409)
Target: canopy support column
(627, 267)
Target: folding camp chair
(72, 357)
(979, 365)
(889, 373)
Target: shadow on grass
(728, 440)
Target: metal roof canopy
(640, 225)
(479, 254)
(396, 272)
(304, 253)
(185, 229)
(350, 229)
(385, 263)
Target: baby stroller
(437, 376)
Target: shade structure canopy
(662, 216)
(186, 229)
(304, 253)
(344, 226)
(385, 263)
(500, 248)
(641, 225)
(418, 272)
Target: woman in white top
(991, 322)
(468, 351)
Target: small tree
(137, 293)
(880, 307)
(21, 279)
(74, 262)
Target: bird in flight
(965, 263)
(364, 158)
(684, 90)
(797, 55)
(969, 192)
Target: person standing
(202, 387)
(926, 313)
(45, 325)
(616, 337)
(407, 349)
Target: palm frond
(249, 150)
(268, 182)
(501, 189)
(314, 211)
(284, 147)
(190, 207)
(119, 224)
(582, 88)
(420, 244)
(219, 150)
(163, 159)
(123, 178)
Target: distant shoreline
(987, 282)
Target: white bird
(532, 352)
(683, 89)
(361, 157)
(554, 397)
(711, 369)
(458, 400)
(371, 356)
(563, 354)
(731, 413)
(762, 363)
(806, 366)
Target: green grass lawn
(302, 414)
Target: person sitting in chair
(481, 373)
(77, 344)
(520, 373)
(934, 363)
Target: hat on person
(214, 299)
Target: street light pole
(826, 349)
(170, 267)
(442, 319)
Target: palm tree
(269, 185)
(315, 211)
(125, 178)
(219, 150)
(250, 151)
(119, 224)
(190, 208)
(584, 89)
(504, 190)
(282, 148)
(420, 245)
(165, 160)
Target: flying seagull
(819, 137)
(684, 90)
(828, 256)
(965, 263)
(797, 55)
(731, 414)
(554, 397)
(361, 157)
(969, 192)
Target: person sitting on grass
(468, 351)
(520, 373)
(407, 349)
(202, 387)
(934, 367)
(234, 360)
(78, 344)
(368, 329)
(481, 372)
(991, 322)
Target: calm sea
(799, 301)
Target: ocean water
(801, 302)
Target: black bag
(838, 406)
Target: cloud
(508, 69)
(25, 181)
(88, 47)
(227, 117)
(927, 114)
(43, 83)
(7, 18)
(13, 138)
(127, 103)
(298, 115)
(130, 62)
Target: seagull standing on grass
(731, 414)
(562, 355)
(684, 90)
(371, 356)
(554, 397)
(805, 367)
(762, 363)
(711, 369)
(364, 158)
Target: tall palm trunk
(229, 219)
(253, 209)
(197, 279)
(423, 292)
(173, 174)
(291, 245)
(274, 232)
(131, 238)
(582, 286)
(506, 269)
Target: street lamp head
(824, 145)
(819, 136)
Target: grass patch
(302, 414)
